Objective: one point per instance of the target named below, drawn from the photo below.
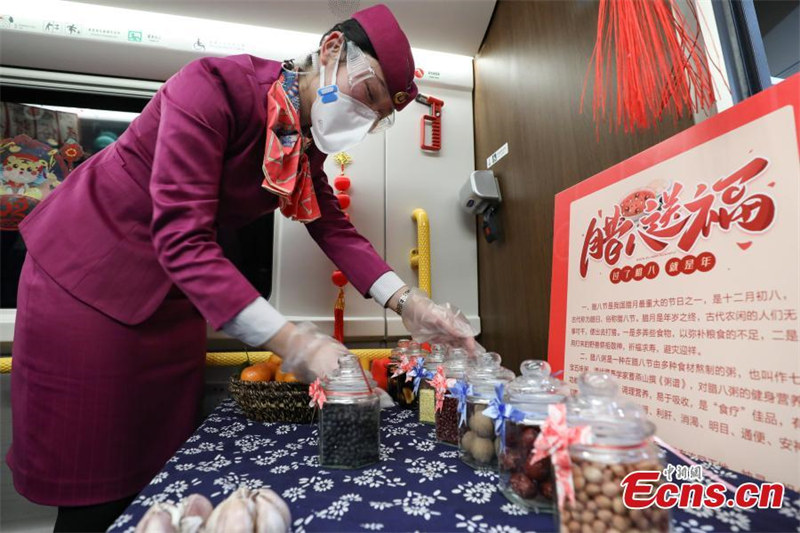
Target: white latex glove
(438, 324)
(306, 352)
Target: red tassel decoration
(342, 184)
(340, 280)
(338, 318)
(648, 62)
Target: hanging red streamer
(648, 62)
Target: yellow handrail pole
(420, 257)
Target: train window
(779, 25)
(46, 135)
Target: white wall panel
(302, 287)
(431, 181)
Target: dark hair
(353, 31)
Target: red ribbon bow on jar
(405, 366)
(317, 394)
(439, 383)
(554, 441)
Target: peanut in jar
(618, 441)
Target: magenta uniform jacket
(108, 351)
(141, 215)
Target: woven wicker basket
(271, 401)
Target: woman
(123, 269)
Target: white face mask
(338, 122)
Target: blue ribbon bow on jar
(418, 372)
(460, 391)
(500, 412)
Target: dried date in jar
(526, 483)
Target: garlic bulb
(234, 515)
(196, 510)
(267, 513)
(244, 511)
(160, 518)
(272, 513)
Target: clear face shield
(368, 88)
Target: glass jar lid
(613, 421)
(397, 353)
(434, 359)
(455, 363)
(535, 389)
(349, 378)
(485, 372)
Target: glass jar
(529, 485)
(619, 441)
(427, 393)
(455, 367)
(400, 390)
(393, 382)
(349, 420)
(477, 443)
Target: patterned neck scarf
(285, 165)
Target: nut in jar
(598, 439)
(478, 445)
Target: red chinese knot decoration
(341, 184)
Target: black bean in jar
(349, 435)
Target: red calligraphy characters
(667, 220)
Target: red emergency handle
(435, 121)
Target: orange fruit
(285, 377)
(258, 372)
(274, 364)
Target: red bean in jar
(447, 422)
(447, 418)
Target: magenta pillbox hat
(394, 52)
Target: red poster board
(678, 271)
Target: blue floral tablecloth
(419, 485)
